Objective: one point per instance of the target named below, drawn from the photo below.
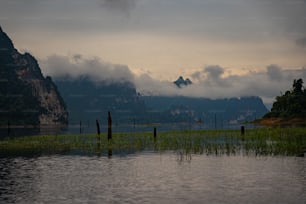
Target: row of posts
(109, 127)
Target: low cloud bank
(210, 81)
(77, 65)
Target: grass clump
(261, 141)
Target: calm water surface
(153, 178)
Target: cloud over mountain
(274, 72)
(78, 65)
(210, 81)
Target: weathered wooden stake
(242, 130)
(80, 127)
(154, 138)
(109, 129)
(98, 127)
(98, 139)
(154, 133)
(8, 128)
(215, 121)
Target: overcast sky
(163, 39)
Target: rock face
(88, 100)
(26, 96)
(181, 82)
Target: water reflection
(153, 178)
(18, 176)
(18, 131)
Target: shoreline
(281, 122)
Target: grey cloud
(197, 76)
(214, 76)
(274, 72)
(303, 74)
(214, 71)
(147, 85)
(119, 5)
(77, 57)
(78, 65)
(224, 19)
(289, 15)
(210, 83)
(301, 42)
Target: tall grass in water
(263, 141)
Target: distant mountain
(185, 109)
(26, 96)
(88, 100)
(181, 82)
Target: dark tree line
(291, 104)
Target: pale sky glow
(163, 38)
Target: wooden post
(242, 130)
(98, 127)
(80, 127)
(154, 133)
(109, 129)
(154, 139)
(215, 121)
(98, 138)
(8, 128)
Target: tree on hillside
(291, 104)
(298, 86)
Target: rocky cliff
(88, 100)
(26, 96)
(181, 82)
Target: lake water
(148, 177)
(91, 128)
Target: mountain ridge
(26, 96)
(126, 105)
(181, 82)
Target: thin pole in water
(8, 128)
(215, 121)
(98, 127)
(98, 138)
(242, 130)
(109, 129)
(154, 133)
(80, 127)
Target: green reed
(261, 141)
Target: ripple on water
(153, 178)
